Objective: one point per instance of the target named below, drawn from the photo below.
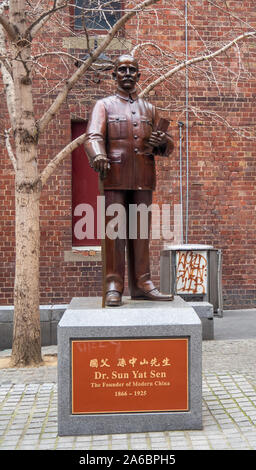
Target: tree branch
(50, 113)
(52, 165)
(144, 44)
(58, 54)
(8, 27)
(40, 22)
(195, 60)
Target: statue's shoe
(154, 294)
(113, 299)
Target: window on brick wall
(96, 14)
(84, 195)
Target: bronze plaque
(129, 375)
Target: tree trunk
(26, 347)
(26, 336)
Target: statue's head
(126, 72)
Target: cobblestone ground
(28, 408)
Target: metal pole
(187, 137)
(181, 125)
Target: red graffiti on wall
(191, 272)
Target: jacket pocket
(117, 127)
(115, 174)
(146, 126)
(115, 157)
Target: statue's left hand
(157, 138)
(102, 165)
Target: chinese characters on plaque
(122, 362)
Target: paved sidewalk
(28, 407)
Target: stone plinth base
(205, 312)
(135, 368)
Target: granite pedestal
(205, 312)
(85, 321)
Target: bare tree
(20, 25)
(21, 58)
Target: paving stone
(28, 414)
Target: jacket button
(136, 150)
(135, 124)
(135, 137)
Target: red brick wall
(221, 161)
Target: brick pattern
(221, 161)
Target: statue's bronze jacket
(119, 127)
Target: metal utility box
(194, 272)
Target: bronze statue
(121, 141)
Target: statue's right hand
(102, 165)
